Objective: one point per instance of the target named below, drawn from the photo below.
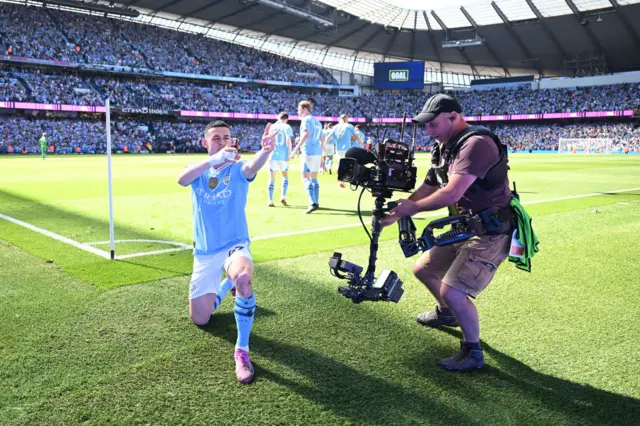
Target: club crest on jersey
(226, 179)
(213, 182)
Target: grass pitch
(93, 341)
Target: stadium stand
(51, 86)
(89, 134)
(87, 39)
(84, 39)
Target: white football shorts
(310, 163)
(278, 166)
(207, 269)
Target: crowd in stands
(68, 135)
(40, 33)
(11, 90)
(98, 40)
(43, 33)
(58, 88)
(31, 33)
(547, 136)
(88, 135)
(526, 101)
(49, 86)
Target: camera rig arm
(462, 228)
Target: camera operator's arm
(474, 160)
(423, 192)
(450, 194)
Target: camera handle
(376, 228)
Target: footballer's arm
(216, 161)
(251, 167)
(356, 137)
(303, 139)
(192, 172)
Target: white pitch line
(326, 228)
(183, 246)
(149, 253)
(175, 243)
(431, 214)
(57, 237)
(571, 197)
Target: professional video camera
(387, 168)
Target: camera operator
(469, 180)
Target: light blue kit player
(328, 147)
(311, 148)
(279, 161)
(344, 134)
(219, 187)
(360, 137)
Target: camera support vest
(442, 157)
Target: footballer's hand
(224, 156)
(268, 141)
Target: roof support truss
(489, 48)
(516, 37)
(547, 30)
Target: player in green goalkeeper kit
(43, 146)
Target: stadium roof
(518, 36)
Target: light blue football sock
(316, 191)
(225, 286)
(285, 186)
(244, 312)
(309, 187)
(271, 188)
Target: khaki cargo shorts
(469, 265)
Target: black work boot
(469, 357)
(437, 318)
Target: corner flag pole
(111, 233)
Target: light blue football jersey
(342, 132)
(281, 150)
(312, 146)
(326, 133)
(219, 199)
(361, 136)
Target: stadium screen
(398, 75)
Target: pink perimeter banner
(52, 107)
(244, 115)
(388, 120)
(549, 115)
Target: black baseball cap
(436, 105)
